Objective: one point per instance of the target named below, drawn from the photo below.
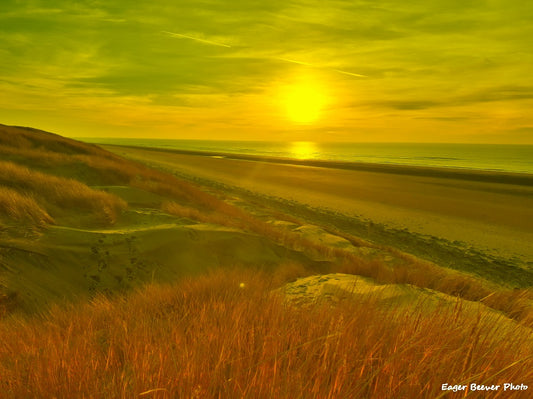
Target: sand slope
(491, 214)
(337, 287)
(69, 263)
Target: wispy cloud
(293, 61)
(318, 66)
(381, 65)
(196, 39)
(357, 75)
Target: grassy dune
(59, 174)
(22, 207)
(58, 191)
(226, 335)
(517, 303)
(83, 308)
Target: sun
(304, 102)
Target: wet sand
(492, 212)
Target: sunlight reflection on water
(303, 149)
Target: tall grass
(60, 168)
(60, 191)
(27, 138)
(56, 155)
(518, 304)
(90, 164)
(23, 208)
(213, 337)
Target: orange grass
(56, 155)
(25, 137)
(411, 270)
(60, 191)
(22, 207)
(209, 338)
(91, 164)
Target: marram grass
(225, 335)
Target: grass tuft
(22, 208)
(59, 191)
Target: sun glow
(303, 149)
(304, 102)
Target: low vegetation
(38, 198)
(14, 205)
(57, 191)
(517, 303)
(226, 335)
(60, 172)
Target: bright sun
(304, 102)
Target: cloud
(373, 57)
(205, 41)
(408, 104)
(445, 118)
(491, 94)
(500, 93)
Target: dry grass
(28, 138)
(90, 164)
(517, 304)
(61, 192)
(23, 208)
(64, 157)
(68, 165)
(54, 154)
(209, 338)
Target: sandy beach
(492, 212)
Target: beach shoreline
(484, 212)
(493, 176)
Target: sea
(488, 157)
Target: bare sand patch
(336, 287)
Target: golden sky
(340, 70)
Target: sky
(289, 70)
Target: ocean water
(490, 157)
